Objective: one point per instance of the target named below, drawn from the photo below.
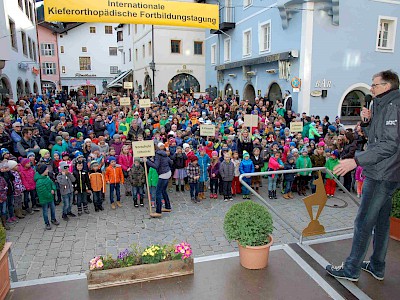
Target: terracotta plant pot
(255, 258)
(4, 272)
(394, 232)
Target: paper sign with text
(143, 149)
(296, 126)
(144, 103)
(251, 120)
(207, 130)
(125, 101)
(128, 85)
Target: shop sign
(316, 93)
(23, 66)
(323, 84)
(35, 71)
(184, 70)
(85, 75)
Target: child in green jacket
(331, 163)
(153, 180)
(303, 162)
(43, 185)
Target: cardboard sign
(128, 85)
(143, 149)
(207, 130)
(296, 126)
(125, 101)
(144, 103)
(251, 120)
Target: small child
(3, 197)
(303, 162)
(289, 177)
(193, 172)
(331, 163)
(19, 189)
(27, 176)
(203, 162)
(82, 187)
(213, 172)
(227, 173)
(125, 160)
(179, 159)
(46, 199)
(65, 179)
(153, 181)
(236, 187)
(246, 166)
(115, 178)
(258, 164)
(137, 179)
(275, 163)
(360, 180)
(97, 184)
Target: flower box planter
(394, 232)
(140, 273)
(4, 272)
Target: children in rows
(227, 173)
(213, 172)
(81, 187)
(246, 166)
(236, 186)
(97, 184)
(331, 163)
(274, 164)
(115, 178)
(137, 179)
(193, 173)
(203, 162)
(289, 177)
(179, 159)
(66, 181)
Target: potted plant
(250, 224)
(395, 217)
(4, 269)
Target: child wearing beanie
(179, 159)
(115, 178)
(213, 172)
(137, 179)
(246, 166)
(331, 163)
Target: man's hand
(365, 115)
(52, 192)
(345, 166)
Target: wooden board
(4, 272)
(141, 273)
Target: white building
(20, 75)
(89, 56)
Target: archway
(20, 88)
(351, 103)
(35, 88)
(27, 88)
(229, 90)
(148, 87)
(274, 92)
(184, 83)
(5, 89)
(249, 93)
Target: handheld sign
(125, 101)
(207, 130)
(296, 126)
(143, 149)
(128, 85)
(251, 120)
(144, 103)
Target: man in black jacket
(381, 167)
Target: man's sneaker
(65, 218)
(55, 222)
(48, 227)
(338, 272)
(366, 266)
(71, 214)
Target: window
(175, 46)
(247, 3)
(34, 51)
(92, 29)
(198, 48)
(13, 34)
(49, 68)
(24, 47)
(63, 69)
(386, 34)
(227, 50)
(47, 49)
(84, 49)
(265, 37)
(84, 63)
(213, 53)
(31, 15)
(144, 51)
(113, 69)
(30, 48)
(113, 51)
(150, 49)
(20, 4)
(120, 36)
(136, 54)
(247, 43)
(130, 54)
(108, 29)
(62, 49)
(27, 8)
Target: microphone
(367, 104)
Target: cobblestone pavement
(67, 248)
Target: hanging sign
(143, 148)
(153, 12)
(207, 130)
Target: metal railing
(295, 171)
(227, 14)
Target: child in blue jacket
(246, 166)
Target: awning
(117, 82)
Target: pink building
(48, 57)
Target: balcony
(226, 20)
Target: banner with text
(296, 126)
(207, 130)
(153, 12)
(125, 101)
(143, 148)
(143, 103)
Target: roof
(60, 27)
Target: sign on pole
(143, 103)
(207, 130)
(153, 12)
(143, 149)
(296, 126)
(128, 85)
(251, 120)
(125, 101)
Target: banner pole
(147, 185)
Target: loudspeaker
(324, 93)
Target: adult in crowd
(27, 143)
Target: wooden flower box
(4, 272)
(121, 276)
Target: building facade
(18, 39)
(323, 52)
(88, 56)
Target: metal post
(153, 66)
(13, 271)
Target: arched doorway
(249, 93)
(148, 88)
(20, 88)
(228, 91)
(352, 102)
(184, 83)
(274, 92)
(27, 88)
(5, 89)
(35, 88)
